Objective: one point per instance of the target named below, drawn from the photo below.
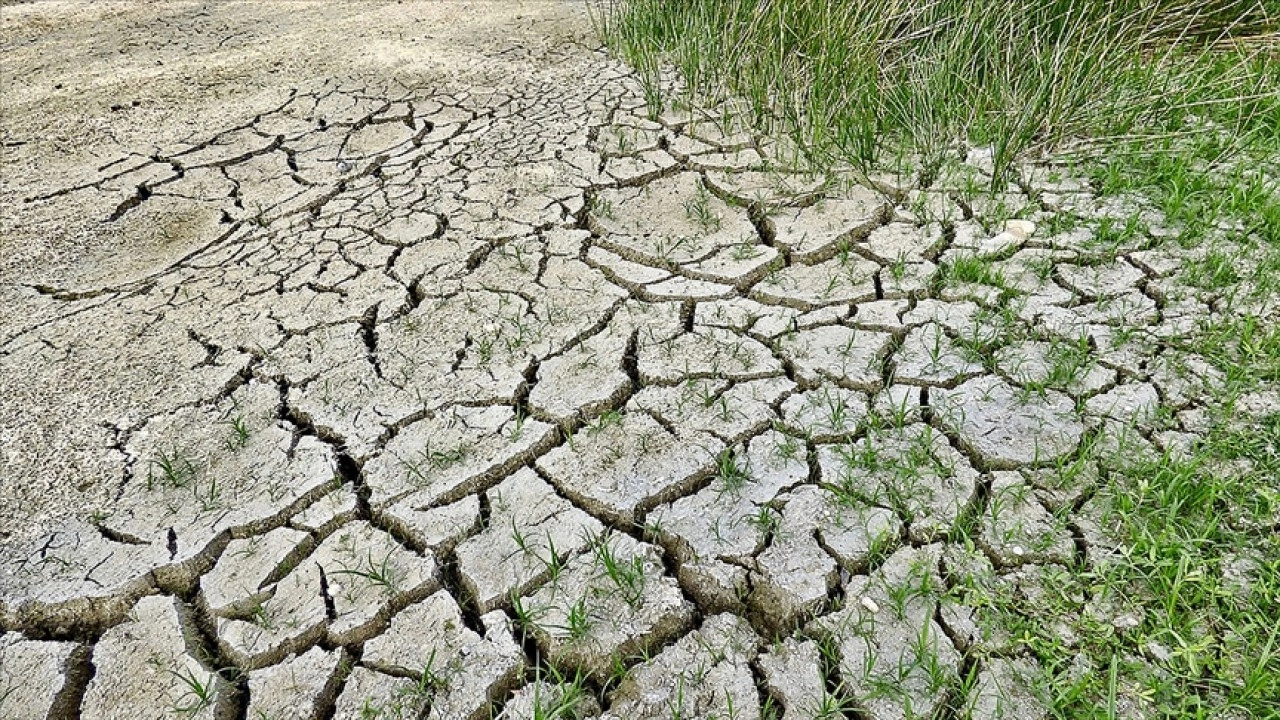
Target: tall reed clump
(854, 80)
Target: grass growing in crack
(626, 575)
(430, 680)
(410, 701)
(765, 520)
(516, 430)
(789, 448)
(567, 699)
(974, 269)
(578, 620)
(833, 707)
(745, 251)
(1185, 120)
(528, 618)
(924, 648)
(699, 210)
(197, 694)
(731, 471)
(435, 459)
(382, 574)
(260, 615)
(173, 469)
(553, 563)
(607, 419)
(602, 207)
(239, 433)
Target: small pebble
(1125, 622)
(870, 604)
(1020, 228)
(1159, 652)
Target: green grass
(197, 695)
(1191, 554)
(172, 470)
(1203, 644)
(874, 81)
(626, 574)
(559, 696)
(382, 574)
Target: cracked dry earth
(387, 365)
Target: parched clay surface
(392, 360)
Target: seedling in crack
(723, 412)
(926, 656)
(789, 448)
(435, 459)
(197, 693)
(259, 217)
(837, 409)
(522, 543)
(209, 498)
(847, 349)
(517, 427)
(936, 347)
(382, 574)
(484, 349)
(430, 681)
(676, 704)
(603, 207)
(898, 268)
(834, 707)
(565, 701)
(730, 471)
(625, 145)
(833, 282)
(578, 621)
(553, 563)
(765, 520)
(666, 248)
(745, 251)
(645, 442)
(704, 391)
(699, 210)
(522, 333)
(259, 615)
(172, 469)
(516, 251)
(627, 576)
(526, 617)
(607, 419)
(239, 433)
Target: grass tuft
(864, 81)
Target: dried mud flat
(390, 360)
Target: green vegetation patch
(881, 79)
